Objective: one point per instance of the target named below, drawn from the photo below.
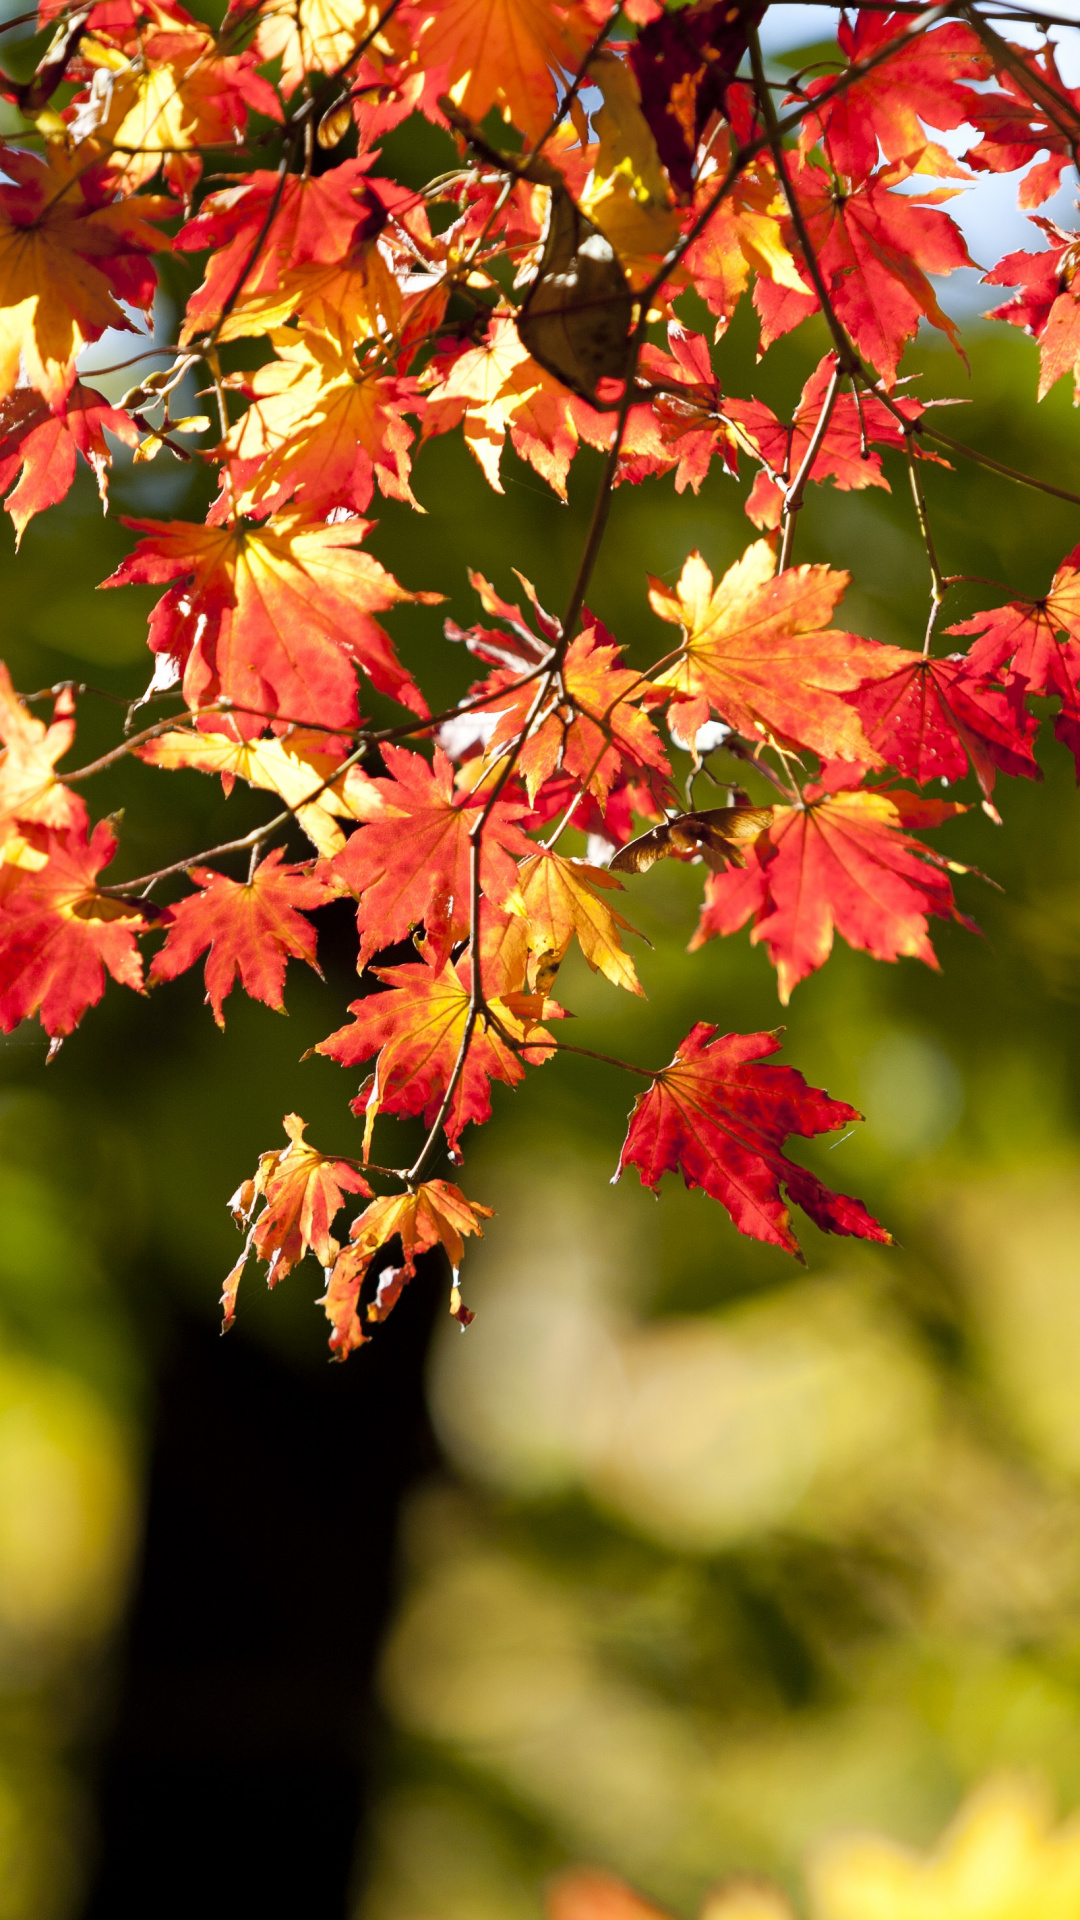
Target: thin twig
(986, 460)
(847, 359)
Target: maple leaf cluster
(616, 170)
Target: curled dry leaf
(718, 835)
(436, 1214)
(575, 318)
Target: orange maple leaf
(271, 242)
(588, 726)
(506, 53)
(559, 899)
(498, 388)
(273, 617)
(756, 651)
(177, 93)
(251, 930)
(322, 427)
(303, 1190)
(417, 1028)
(65, 262)
(436, 1214)
(744, 235)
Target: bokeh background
(683, 1555)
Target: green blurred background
(718, 1554)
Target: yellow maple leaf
(321, 421)
(291, 767)
(314, 36)
(559, 900)
(745, 235)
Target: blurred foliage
(725, 1556)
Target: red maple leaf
(303, 1191)
(251, 929)
(721, 1120)
(272, 617)
(845, 455)
(1016, 125)
(843, 861)
(1048, 307)
(686, 425)
(919, 82)
(875, 249)
(409, 863)
(40, 447)
(416, 1028)
(1026, 637)
(58, 934)
(313, 220)
(931, 717)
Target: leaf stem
(793, 497)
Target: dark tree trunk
(233, 1781)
